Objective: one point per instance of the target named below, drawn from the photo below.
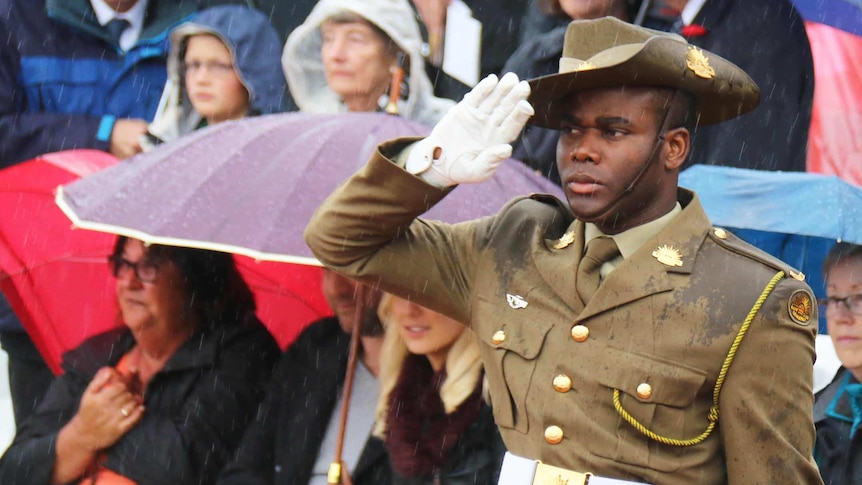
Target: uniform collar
(632, 239)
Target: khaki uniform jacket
(668, 326)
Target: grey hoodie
(303, 65)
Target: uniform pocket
(509, 349)
(668, 398)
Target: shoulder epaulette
(731, 242)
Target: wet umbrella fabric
(40, 255)
(794, 216)
(56, 278)
(250, 187)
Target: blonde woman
(431, 415)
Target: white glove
(471, 140)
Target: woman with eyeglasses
(838, 407)
(164, 397)
(223, 65)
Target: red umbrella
(56, 278)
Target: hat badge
(699, 63)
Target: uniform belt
(518, 470)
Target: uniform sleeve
(368, 230)
(766, 402)
(192, 445)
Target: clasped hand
(107, 411)
(469, 142)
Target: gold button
(562, 383)
(580, 333)
(644, 390)
(499, 337)
(720, 233)
(553, 435)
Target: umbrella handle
(337, 471)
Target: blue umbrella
(794, 216)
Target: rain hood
(255, 47)
(303, 65)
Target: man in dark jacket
(292, 440)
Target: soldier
(668, 352)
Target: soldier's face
(845, 326)
(607, 136)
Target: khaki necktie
(599, 251)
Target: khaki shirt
(658, 333)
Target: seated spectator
(292, 440)
(166, 396)
(223, 65)
(540, 56)
(346, 53)
(838, 408)
(431, 415)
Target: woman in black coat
(165, 397)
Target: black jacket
(838, 455)
(475, 460)
(282, 444)
(197, 407)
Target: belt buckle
(552, 475)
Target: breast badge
(565, 241)
(799, 306)
(516, 301)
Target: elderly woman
(431, 415)
(165, 397)
(219, 69)
(343, 58)
(838, 408)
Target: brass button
(720, 233)
(553, 435)
(499, 337)
(644, 390)
(562, 383)
(580, 333)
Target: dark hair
(678, 106)
(216, 291)
(839, 253)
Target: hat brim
(659, 62)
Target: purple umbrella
(250, 187)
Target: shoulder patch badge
(799, 307)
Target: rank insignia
(668, 256)
(565, 241)
(799, 306)
(585, 66)
(699, 63)
(796, 275)
(516, 301)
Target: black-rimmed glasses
(852, 303)
(145, 269)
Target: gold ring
(124, 412)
